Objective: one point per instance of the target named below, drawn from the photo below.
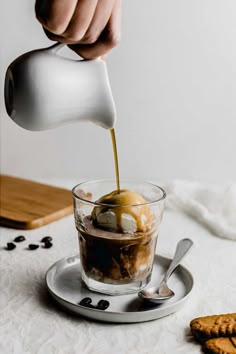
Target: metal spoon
(162, 293)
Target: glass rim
(115, 205)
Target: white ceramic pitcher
(44, 90)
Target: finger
(56, 38)
(114, 23)
(73, 33)
(81, 19)
(55, 15)
(99, 21)
(108, 39)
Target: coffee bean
(33, 247)
(48, 244)
(10, 246)
(87, 302)
(102, 305)
(46, 239)
(19, 238)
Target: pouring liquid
(113, 139)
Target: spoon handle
(182, 249)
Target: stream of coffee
(113, 139)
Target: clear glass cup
(114, 262)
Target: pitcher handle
(56, 47)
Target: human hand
(90, 27)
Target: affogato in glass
(118, 233)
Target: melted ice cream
(126, 212)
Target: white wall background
(174, 82)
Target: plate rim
(109, 314)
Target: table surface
(30, 321)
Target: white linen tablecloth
(31, 323)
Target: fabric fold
(212, 206)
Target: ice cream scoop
(125, 212)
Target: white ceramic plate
(65, 285)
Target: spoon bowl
(157, 295)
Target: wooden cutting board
(26, 204)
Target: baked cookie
(220, 346)
(204, 328)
